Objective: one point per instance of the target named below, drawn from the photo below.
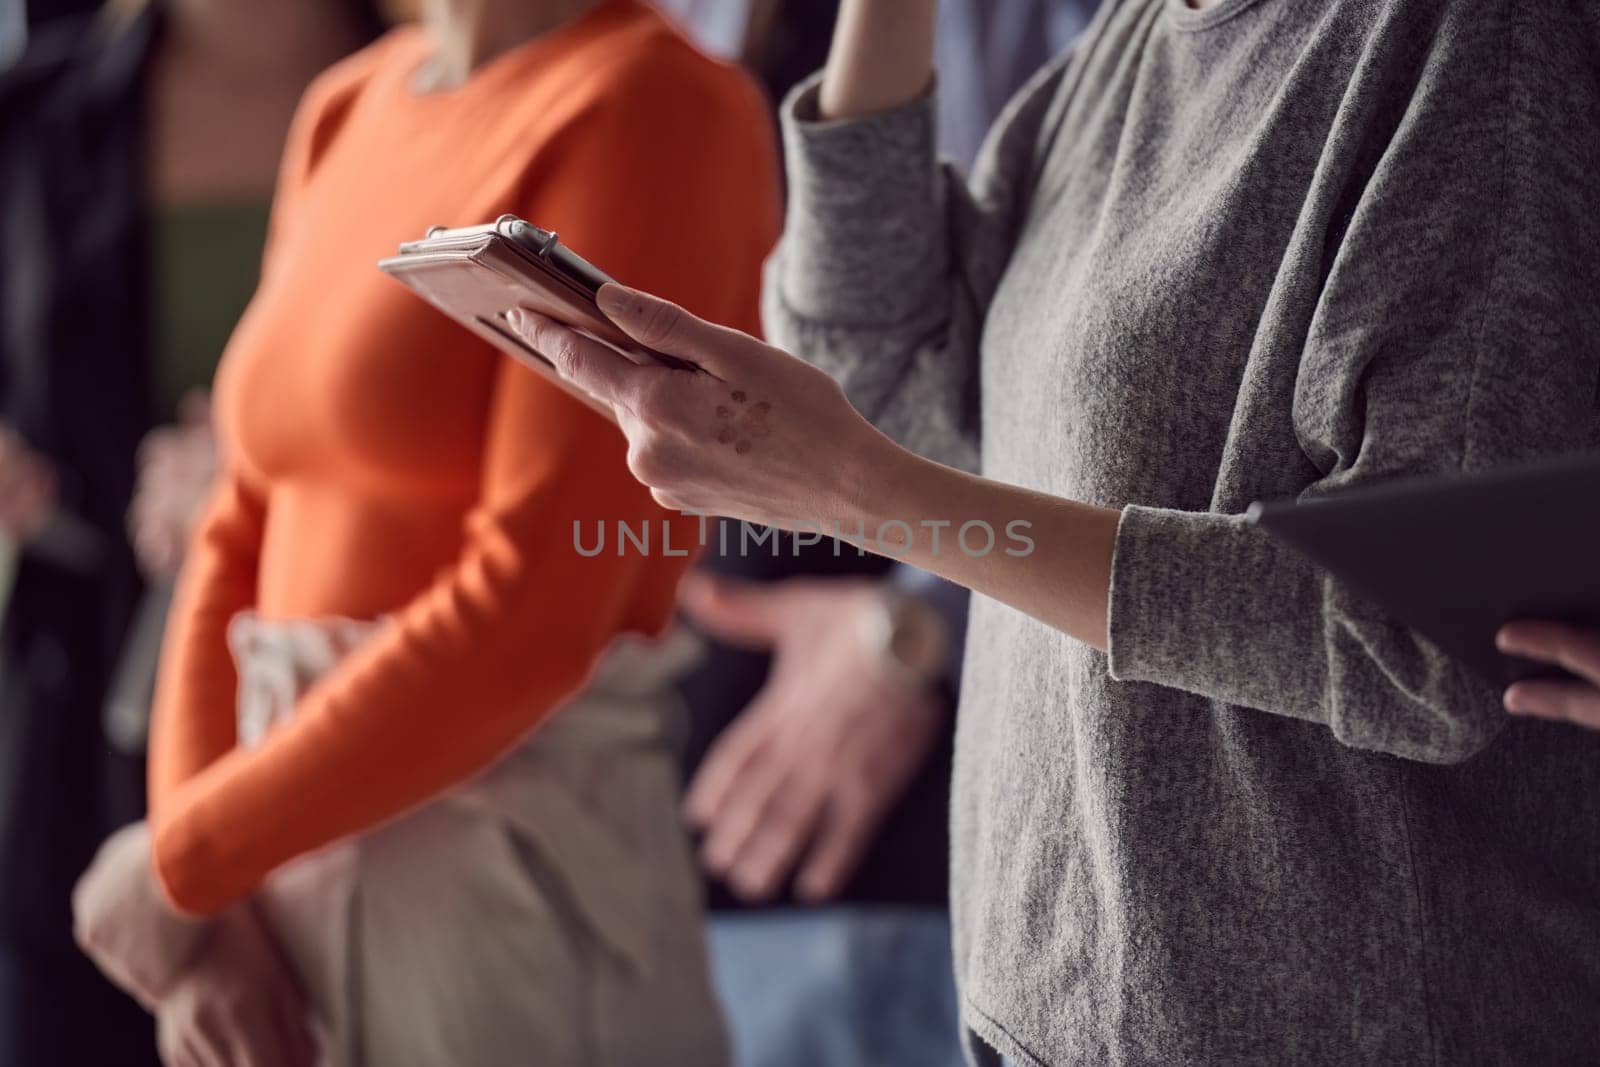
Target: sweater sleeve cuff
(189, 896)
(865, 207)
(1198, 600)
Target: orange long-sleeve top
(381, 461)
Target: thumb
(746, 614)
(669, 329)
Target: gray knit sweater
(1280, 247)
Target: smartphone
(478, 274)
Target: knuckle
(782, 810)
(235, 1006)
(653, 406)
(644, 460)
(781, 829)
(562, 350)
(660, 325)
(854, 792)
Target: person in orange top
(385, 468)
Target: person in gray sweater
(1209, 805)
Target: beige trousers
(546, 914)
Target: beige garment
(546, 914)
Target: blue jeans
(837, 987)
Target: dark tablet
(1456, 558)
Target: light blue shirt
(985, 50)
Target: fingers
(158, 542)
(191, 1052)
(174, 1044)
(878, 766)
(591, 366)
(27, 495)
(177, 467)
(156, 445)
(724, 763)
(668, 328)
(1576, 649)
(737, 816)
(1561, 700)
(746, 614)
(774, 842)
(853, 813)
(759, 816)
(257, 1049)
(209, 1039)
(250, 1024)
(299, 1050)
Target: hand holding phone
(478, 274)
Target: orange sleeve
(193, 719)
(516, 625)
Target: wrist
(897, 499)
(881, 57)
(875, 483)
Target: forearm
(1046, 556)
(428, 701)
(193, 718)
(1202, 603)
(866, 283)
(255, 809)
(889, 260)
(881, 57)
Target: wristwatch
(908, 636)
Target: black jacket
(74, 366)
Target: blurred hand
(807, 773)
(27, 488)
(176, 466)
(759, 435)
(1564, 700)
(238, 1004)
(124, 923)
